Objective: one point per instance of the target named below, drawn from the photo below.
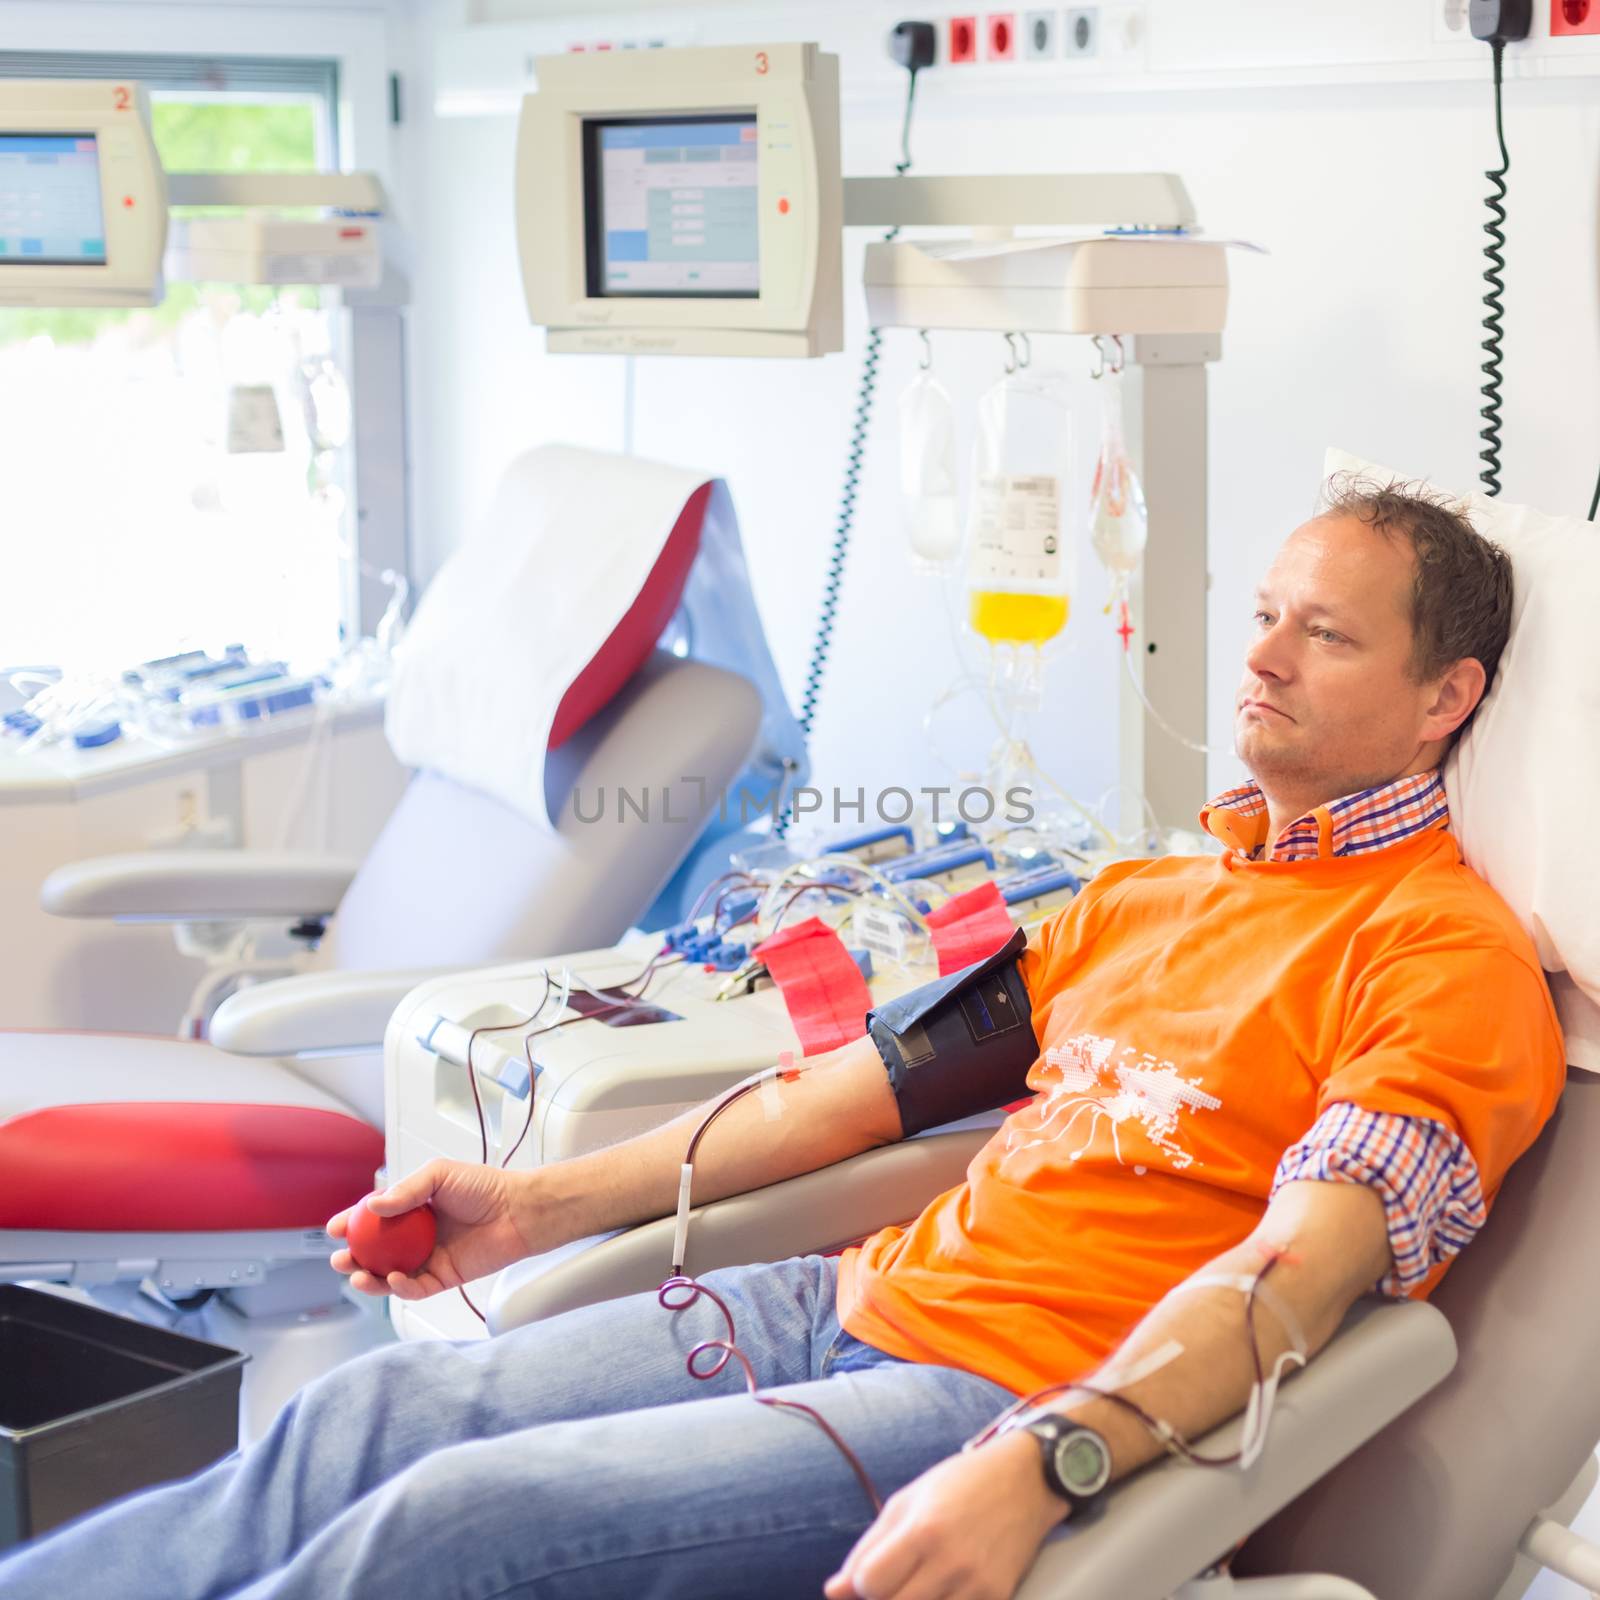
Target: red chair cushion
(181, 1167)
(635, 636)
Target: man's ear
(1456, 696)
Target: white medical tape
(771, 1100)
(680, 1233)
(1258, 1410)
(1264, 1292)
(1112, 1375)
(1258, 1414)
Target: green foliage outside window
(196, 136)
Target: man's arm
(1331, 1244)
(840, 1105)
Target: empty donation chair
(211, 1166)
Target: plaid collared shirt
(1423, 1172)
(1372, 819)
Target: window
(177, 476)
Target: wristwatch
(1077, 1461)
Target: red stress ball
(390, 1244)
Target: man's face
(1327, 704)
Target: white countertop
(64, 772)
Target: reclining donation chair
(1433, 1451)
(212, 1166)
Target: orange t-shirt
(1196, 1016)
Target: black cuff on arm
(961, 1044)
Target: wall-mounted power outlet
(1001, 30)
(961, 40)
(1080, 36)
(1571, 17)
(1041, 35)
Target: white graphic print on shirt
(1090, 1084)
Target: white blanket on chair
(522, 607)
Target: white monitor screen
(50, 201)
(671, 206)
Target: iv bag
(1021, 562)
(928, 472)
(1117, 520)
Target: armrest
(199, 885)
(1162, 1527)
(817, 1211)
(323, 1013)
(1170, 1522)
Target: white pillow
(1524, 780)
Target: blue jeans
(572, 1458)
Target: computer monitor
(50, 211)
(83, 206)
(683, 201)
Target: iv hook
(1102, 366)
(926, 360)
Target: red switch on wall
(1569, 17)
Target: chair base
(287, 1350)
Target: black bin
(93, 1406)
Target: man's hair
(1461, 591)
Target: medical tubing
(687, 1291)
(1493, 275)
(660, 959)
(1156, 717)
(1594, 500)
(743, 878)
(737, 1092)
(1168, 1437)
(472, 1077)
(807, 888)
(680, 1291)
(845, 863)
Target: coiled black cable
(1493, 275)
(866, 391)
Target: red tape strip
(827, 997)
(970, 927)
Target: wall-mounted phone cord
(854, 454)
(1493, 275)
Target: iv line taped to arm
(1257, 1410)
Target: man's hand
(967, 1529)
(483, 1224)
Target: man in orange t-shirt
(1323, 1048)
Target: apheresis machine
(539, 1061)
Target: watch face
(1082, 1462)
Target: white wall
(1361, 328)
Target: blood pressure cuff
(961, 1044)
